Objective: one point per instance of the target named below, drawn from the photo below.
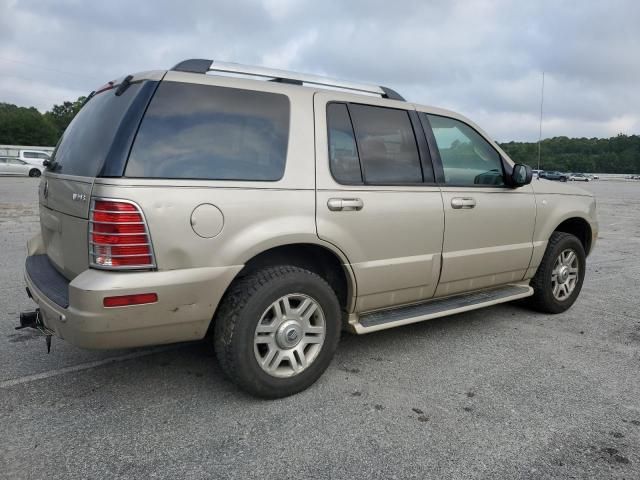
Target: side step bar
(395, 317)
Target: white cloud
(482, 58)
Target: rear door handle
(463, 202)
(344, 204)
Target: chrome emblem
(79, 197)
(45, 190)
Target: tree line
(619, 154)
(27, 126)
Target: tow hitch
(28, 319)
(34, 320)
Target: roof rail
(203, 66)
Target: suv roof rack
(196, 65)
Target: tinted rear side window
(387, 145)
(210, 132)
(87, 140)
(343, 153)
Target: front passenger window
(467, 158)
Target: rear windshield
(195, 131)
(85, 143)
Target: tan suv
(269, 213)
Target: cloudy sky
(482, 58)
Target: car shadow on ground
(194, 367)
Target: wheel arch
(325, 260)
(579, 227)
(321, 259)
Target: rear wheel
(277, 330)
(559, 278)
(34, 172)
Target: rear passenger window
(209, 132)
(386, 144)
(343, 153)
(467, 158)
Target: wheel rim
(564, 276)
(289, 335)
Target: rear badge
(79, 197)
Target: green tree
(25, 126)
(61, 115)
(619, 154)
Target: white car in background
(33, 157)
(15, 166)
(579, 177)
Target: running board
(395, 317)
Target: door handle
(463, 202)
(345, 204)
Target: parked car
(267, 216)
(33, 157)
(579, 177)
(554, 175)
(15, 166)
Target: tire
(544, 299)
(252, 300)
(34, 172)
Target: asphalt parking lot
(496, 393)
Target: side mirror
(46, 163)
(521, 175)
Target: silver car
(267, 214)
(15, 166)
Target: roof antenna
(540, 134)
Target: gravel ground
(496, 393)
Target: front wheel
(559, 278)
(277, 330)
(34, 172)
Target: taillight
(119, 236)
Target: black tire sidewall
(251, 375)
(552, 304)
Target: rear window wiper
(124, 85)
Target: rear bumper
(187, 300)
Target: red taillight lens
(110, 206)
(119, 236)
(119, 217)
(123, 228)
(125, 300)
